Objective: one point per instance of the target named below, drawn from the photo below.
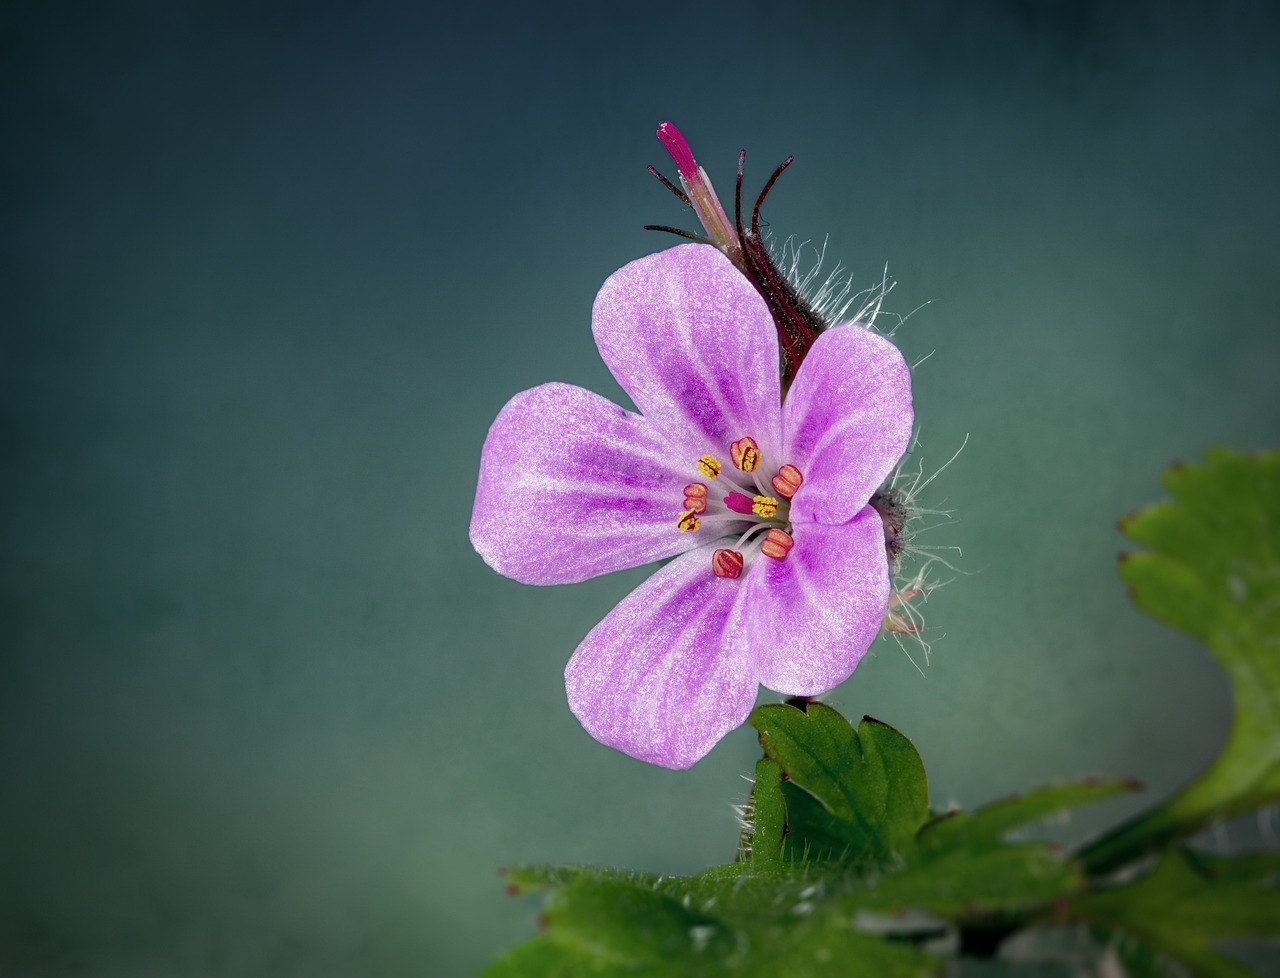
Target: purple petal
(848, 420)
(693, 344)
(572, 486)
(663, 678)
(809, 618)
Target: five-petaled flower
(780, 576)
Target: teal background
(268, 275)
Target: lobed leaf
(994, 821)
(868, 784)
(1212, 569)
(1186, 903)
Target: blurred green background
(270, 271)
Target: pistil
(746, 500)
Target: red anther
(787, 482)
(695, 497)
(745, 454)
(777, 543)
(726, 563)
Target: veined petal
(573, 486)
(662, 678)
(693, 344)
(808, 619)
(847, 420)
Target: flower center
(736, 500)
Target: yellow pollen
(745, 454)
(709, 466)
(688, 522)
(764, 506)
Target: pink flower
(781, 576)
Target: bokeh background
(269, 272)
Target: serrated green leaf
(1187, 902)
(891, 760)
(628, 921)
(995, 820)
(826, 946)
(1213, 569)
(795, 918)
(740, 921)
(964, 868)
(539, 879)
(869, 784)
(974, 880)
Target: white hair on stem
(834, 300)
(905, 619)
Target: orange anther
(726, 563)
(688, 522)
(777, 543)
(745, 454)
(695, 497)
(787, 481)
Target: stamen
(749, 534)
(788, 481)
(777, 543)
(688, 522)
(764, 506)
(727, 563)
(709, 466)
(695, 497)
(739, 503)
(745, 454)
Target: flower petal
(573, 486)
(848, 420)
(693, 344)
(809, 618)
(662, 678)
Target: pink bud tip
(739, 503)
(678, 147)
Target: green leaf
(545, 957)
(836, 850)
(740, 921)
(970, 882)
(868, 787)
(1213, 570)
(964, 868)
(604, 922)
(766, 815)
(1187, 902)
(995, 820)
(795, 918)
